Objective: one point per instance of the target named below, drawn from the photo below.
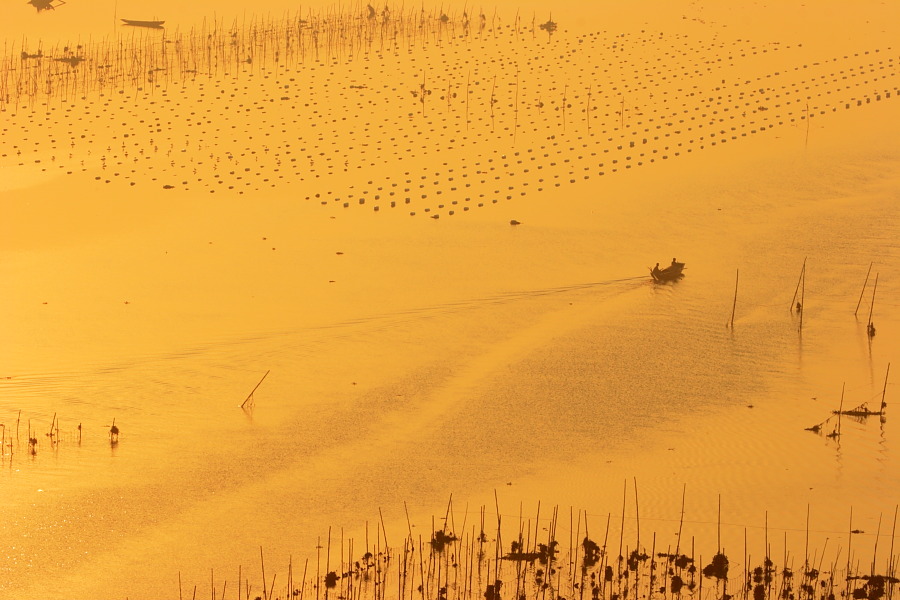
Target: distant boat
(150, 24)
(671, 273)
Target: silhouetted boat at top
(671, 273)
(150, 24)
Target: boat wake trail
(623, 284)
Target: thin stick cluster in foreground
(501, 558)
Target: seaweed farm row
(558, 556)
(31, 72)
(419, 111)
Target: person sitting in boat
(674, 262)
(656, 271)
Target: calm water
(413, 358)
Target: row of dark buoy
(315, 127)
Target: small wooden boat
(673, 272)
(150, 24)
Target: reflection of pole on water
(837, 431)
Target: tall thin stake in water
(875, 549)
(806, 543)
(891, 565)
(516, 118)
(849, 543)
(719, 526)
(734, 304)
(587, 108)
(806, 140)
(637, 515)
(468, 80)
(863, 290)
(248, 401)
(840, 410)
(869, 326)
(622, 530)
(680, 521)
(797, 289)
(263, 566)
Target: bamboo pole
(263, 565)
(875, 549)
(680, 521)
(734, 303)
(637, 515)
(797, 289)
(840, 408)
(869, 326)
(719, 527)
(250, 395)
(891, 565)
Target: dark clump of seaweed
(718, 568)
(874, 586)
(591, 553)
(331, 579)
(635, 559)
(440, 539)
(764, 573)
(547, 552)
(517, 552)
(680, 561)
(492, 592)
